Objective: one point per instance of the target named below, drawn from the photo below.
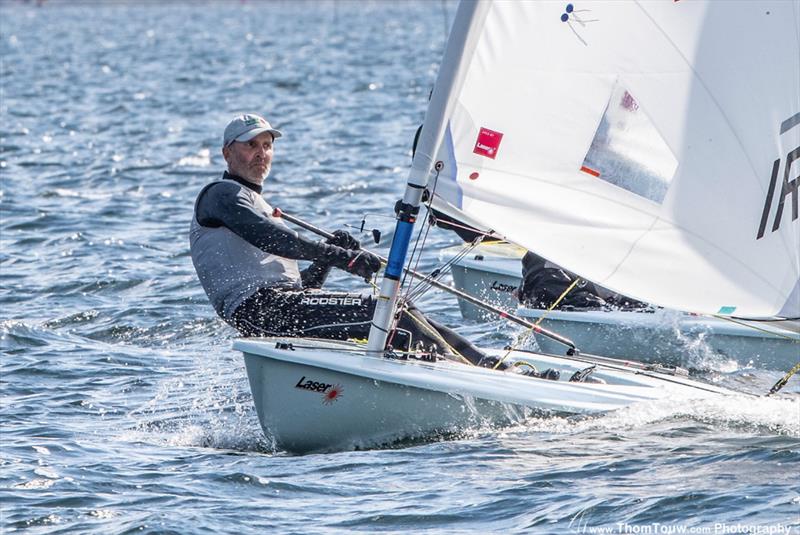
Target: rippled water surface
(124, 408)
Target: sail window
(627, 150)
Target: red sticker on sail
(488, 143)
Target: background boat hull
(665, 336)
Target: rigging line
(424, 285)
(406, 271)
(527, 334)
(447, 288)
(755, 327)
(415, 288)
(423, 235)
(449, 264)
(648, 371)
(782, 382)
(485, 234)
(557, 301)
(525, 363)
(417, 244)
(427, 283)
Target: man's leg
(430, 331)
(339, 316)
(331, 315)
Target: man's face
(252, 159)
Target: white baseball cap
(246, 127)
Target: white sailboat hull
(491, 272)
(324, 395)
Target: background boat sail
(531, 102)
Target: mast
(460, 46)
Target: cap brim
(247, 136)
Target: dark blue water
(123, 408)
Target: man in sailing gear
(246, 259)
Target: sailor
(246, 260)
(544, 283)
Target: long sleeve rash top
(238, 247)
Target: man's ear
(226, 151)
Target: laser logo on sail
(488, 143)
(788, 186)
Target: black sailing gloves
(345, 253)
(344, 240)
(364, 264)
(359, 262)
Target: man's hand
(344, 240)
(364, 264)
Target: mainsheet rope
(527, 334)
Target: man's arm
(314, 275)
(227, 204)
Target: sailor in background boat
(543, 283)
(246, 260)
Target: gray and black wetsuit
(238, 246)
(246, 260)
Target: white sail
(652, 147)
